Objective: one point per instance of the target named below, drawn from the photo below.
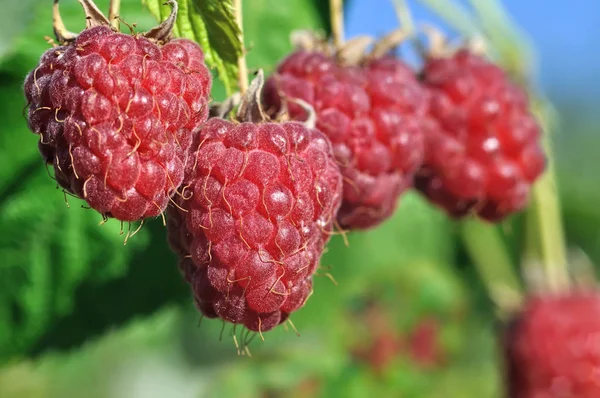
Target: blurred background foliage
(82, 314)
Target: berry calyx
(117, 113)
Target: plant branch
(455, 14)
(242, 66)
(404, 17)
(113, 13)
(336, 10)
(544, 231)
(488, 251)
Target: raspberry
(382, 343)
(424, 343)
(254, 218)
(552, 348)
(482, 144)
(371, 113)
(116, 115)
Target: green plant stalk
(113, 13)
(404, 16)
(242, 65)
(510, 43)
(487, 249)
(544, 232)
(336, 11)
(455, 15)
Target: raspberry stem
(242, 66)
(544, 232)
(489, 253)
(455, 14)
(404, 16)
(336, 10)
(60, 30)
(113, 13)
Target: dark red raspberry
(254, 219)
(371, 114)
(482, 144)
(116, 115)
(553, 348)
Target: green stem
(336, 11)
(404, 16)
(544, 231)
(487, 249)
(455, 15)
(242, 65)
(113, 13)
(509, 43)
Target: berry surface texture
(256, 212)
(371, 113)
(482, 143)
(116, 115)
(552, 348)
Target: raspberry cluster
(123, 120)
(371, 113)
(256, 213)
(116, 115)
(552, 348)
(482, 144)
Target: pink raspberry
(552, 348)
(116, 115)
(482, 144)
(254, 218)
(371, 114)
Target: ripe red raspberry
(482, 144)
(371, 114)
(552, 348)
(116, 115)
(424, 345)
(256, 213)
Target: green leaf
(266, 47)
(416, 232)
(29, 43)
(268, 25)
(212, 24)
(14, 20)
(15, 164)
(47, 249)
